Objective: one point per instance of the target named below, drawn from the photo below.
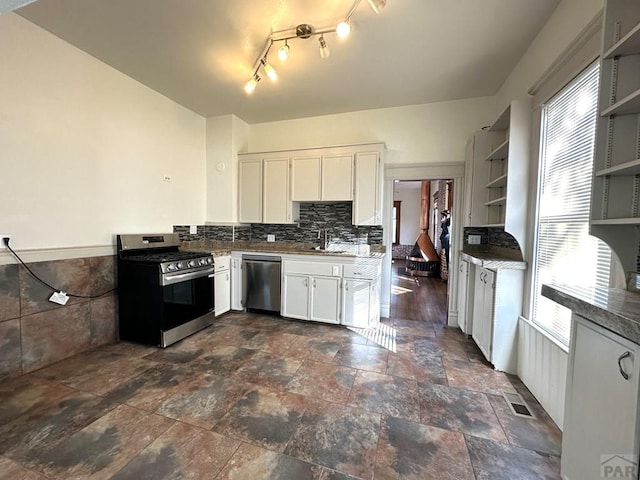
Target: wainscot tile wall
(335, 217)
(35, 332)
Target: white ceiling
(200, 53)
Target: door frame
(417, 172)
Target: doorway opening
(420, 252)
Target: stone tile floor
(260, 397)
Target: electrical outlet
(2, 237)
(166, 178)
(193, 229)
(271, 238)
(475, 239)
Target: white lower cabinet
(222, 285)
(497, 305)
(601, 430)
(357, 303)
(236, 281)
(309, 297)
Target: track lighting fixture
(303, 31)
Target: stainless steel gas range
(164, 294)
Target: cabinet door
(236, 283)
(481, 322)
(276, 203)
(305, 179)
(325, 299)
(366, 201)
(487, 313)
(222, 292)
(250, 191)
(356, 302)
(463, 278)
(601, 406)
(295, 297)
(337, 177)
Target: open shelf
(627, 168)
(503, 121)
(499, 182)
(500, 153)
(496, 203)
(627, 45)
(617, 221)
(629, 104)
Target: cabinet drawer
(365, 271)
(221, 264)
(313, 268)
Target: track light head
(269, 70)
(377, 5)
(251, 85)
(283, 52)
(324, 50)
(343, 29)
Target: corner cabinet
(615, 212)
(497, 172)
(273, 184)
(601, 428)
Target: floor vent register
(517, 405)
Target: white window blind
(565, 252)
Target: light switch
(271, 238)
(336, 271)
(193, 229)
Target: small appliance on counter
(164, 294)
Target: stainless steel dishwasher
(261, 282)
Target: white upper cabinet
(276, 206)
(272, 184)
(337, 177)
(250, 190)
(305, 178)
(264, 194)
(615, 200)
(367, 200)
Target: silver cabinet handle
(306, 282)
(346, 285)
(624, 374)
(314, 283)
(227, 275)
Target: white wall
(410, 194)
(430, 133)
(562, 28)
(226, 135)
(83, 148)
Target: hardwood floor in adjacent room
(417, 298)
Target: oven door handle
(182, 277)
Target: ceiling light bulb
(343, 29)
(324, 50)
(269, 70)
(251, 84)
(377, 5)
(283, 52)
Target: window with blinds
(565, 252)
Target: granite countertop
(494, 259)
(614, 309)
(225, 248)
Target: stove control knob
(180, 265)
(171, 267)
(209, 260)
(191, 263)
(203, 261)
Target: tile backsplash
(335, 217)
(490, 237)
